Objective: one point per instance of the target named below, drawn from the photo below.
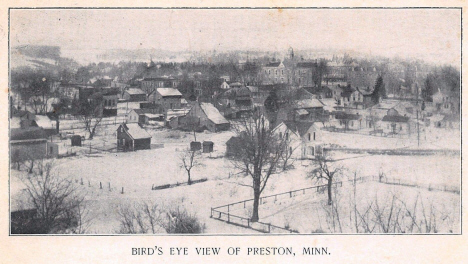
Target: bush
(181, 222)
(144, 218)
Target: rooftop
(213, 114)
(169, 92)
(136, 132)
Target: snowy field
(308, 213)
(136, 172)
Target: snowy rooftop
(133, 91)
(169, 92)
(213, 114)
(44, 121)
(136, 132)
(309, 103)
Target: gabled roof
(234, 141)
(169, 92)
(309, 103)
(135, 131)
(299, 128)
(213, 114)
(44, 121)
(395, 118)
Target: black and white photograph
(234, 121)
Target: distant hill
(40, 57)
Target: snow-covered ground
(138, 171)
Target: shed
(208, 146)
(76, 141)
(131, 137)
(195, 145)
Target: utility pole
(417, 123)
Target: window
(287, 136)
(314, 135)
(276, 72)
(269, 71)
(281, 135)
(309, 136)
(282, 72)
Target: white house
(305, 138)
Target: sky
(430, 34)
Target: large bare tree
(258, 153)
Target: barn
(209, 117)
(131, 137)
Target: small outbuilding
(208, 146)
(76, 141)
(195, 145)
(131, 137)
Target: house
(394, 123)
(304, 138)
(134, 95)
(208, 116)
(303, 74)
(274, 73)
(30, 143)
(444, 103)
(25, 119)
(348, 121)
(168, 98)
(235, 101)
(145, 116)
(110, 99)
(336, 92)
(131, 137)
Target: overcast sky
(390, 32)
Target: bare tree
(258, 153)
(286, 155)
(59, 206)
(325, 171)
(90, 112)
(189, 160)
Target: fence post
(244, 204)
(122, 190)
(290, 194)
(229, 217)
(211, 212)
(100, 185)
(248, 222)
(269, 227)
